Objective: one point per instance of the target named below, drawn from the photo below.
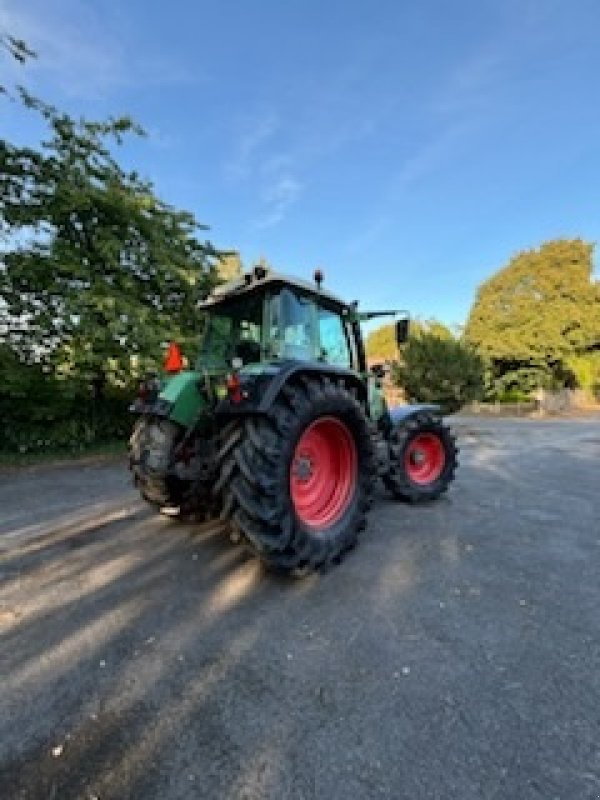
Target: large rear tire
(423, 459)
(297, 484)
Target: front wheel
(422, 459)
(298, 483)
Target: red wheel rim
(323, 473)
(425, 458)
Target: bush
(585, 369)
(513, 396)
(40, 413)
(515, 383)
(440, 370)
(505, 379)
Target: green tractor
(280, 429)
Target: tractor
(280, 429)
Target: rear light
(234, 388)
(174, 359)
(148, 389)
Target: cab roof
(260, 279)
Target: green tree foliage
(18, 50)
(97, 272)
(585, 369)
(15, 47)
(440, 369)
(40, 412)
(381, 344)
(419, 327)
(532, 315)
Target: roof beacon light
(260, 272)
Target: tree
(229, 265)
(442, 370)
(419, 327)
(381, 343)
(17, 48)
(97, 272)
(586, 370)
(531, 315)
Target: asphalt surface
(454, 654)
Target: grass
(102, 451)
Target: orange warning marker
(174, 359)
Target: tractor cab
(268, 318)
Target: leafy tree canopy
(95, 269)
(381, 343)
(420, 327)
(541, 307)
(16, 47)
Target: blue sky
(407, 148)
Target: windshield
(296, 328)
(232, 330)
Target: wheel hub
(303, 468)
(418, 457)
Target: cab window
(333, 340)
(292, 329)
(232, 330)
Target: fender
(397, 416)
(262, 386)
(400, 414)
(294, 368)
(180, 400)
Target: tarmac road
(454, 654)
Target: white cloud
(272, 173)
(249, 145)
(436, 152)
(370, 234)
(80, 53)
(456, 111)
(470, 88)
(277, 199)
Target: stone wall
(562, 401)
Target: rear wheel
(423, 459)
(152, 449)
(298, 483)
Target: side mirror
(402, 330)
